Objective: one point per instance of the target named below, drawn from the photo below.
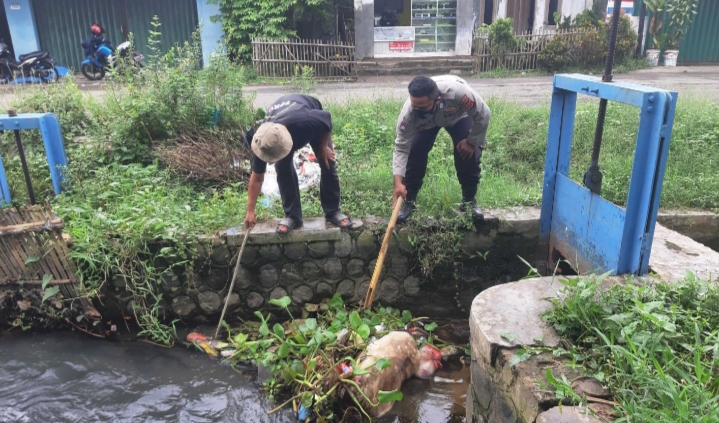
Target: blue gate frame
(590, 232)
(49, 128)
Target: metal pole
(593, 177)
(640, 37)
(21, 152)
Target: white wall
(568, 7)
(540, 11)
(575, 7)
(501, 9)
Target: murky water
(66, 377)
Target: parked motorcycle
(101, 58)
(34, 66)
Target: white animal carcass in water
(405, 361)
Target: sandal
(337, 218)
(289, 223)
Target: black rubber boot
(468, 198)
(406, 211)
(474, 209)
(408, 207)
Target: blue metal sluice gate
(593, 234)
(49, 127)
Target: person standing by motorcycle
(97, 38)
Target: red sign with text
(401, 46)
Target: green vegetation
(133, 212)
(312, 359)
(587, 48)
(514, 159)
(244, 20)
(655, 345)
(130, 218)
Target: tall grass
(513, 162)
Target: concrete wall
(500, 392)
(314, 264)
(502, 9)
(211, 31)
(574, 7)
(364, 28)
(467, 17)
(22, 26)
(540, 14)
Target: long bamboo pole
(382, 253)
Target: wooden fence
(34, 253)
(522, 57)
(288, 59)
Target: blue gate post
(49, 128)
(4, 189)
(589, 231)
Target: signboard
(14, 7)
(394, 33)
(627, 6)
(401, 46)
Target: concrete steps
(415, 66)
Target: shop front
(414, 28)
(430, 28)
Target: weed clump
(655, 345)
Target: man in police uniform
(292, 122)
(439, 102)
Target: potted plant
(656, 8)
(681, 16)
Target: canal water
(67, 377)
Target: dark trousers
(422, 142)
(289, 185)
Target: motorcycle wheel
(92, 72)
(6, 74)
(45, 71)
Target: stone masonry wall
(317, 261)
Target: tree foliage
(243, 20)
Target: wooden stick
(4, 281)
(32, 227)
(382, 252)
(232, 283)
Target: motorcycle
(31, 67)
(100, 59)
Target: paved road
(699, 81)
(688, 81)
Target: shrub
(626, 40)
(587, 50)
(170, 98)
(555, 56)
(501, 36)
(590, 47)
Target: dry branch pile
(209, 156)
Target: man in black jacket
(292, 122)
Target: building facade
(59, 26)
(419, 28)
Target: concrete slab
(314, 229)
(699, 225)
(673, 254)
(567, 415)
(508, 316)
(520, 220)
